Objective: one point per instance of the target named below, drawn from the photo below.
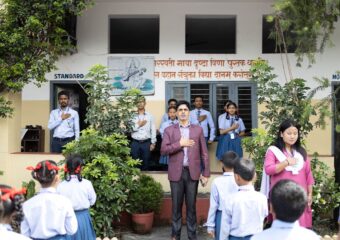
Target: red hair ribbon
(11, 193)
(65, 168)
(51, 167)
(77, 169)
(34, 168)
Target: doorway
(78, 99)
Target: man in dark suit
(186, 147)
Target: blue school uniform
(230, 141)
(48, 215)
(82, 196)
(221, 188)
(164, 159)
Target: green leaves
(32, 38)
(112, 171)
(104, 115)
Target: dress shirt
(221, 188)
(147, 131)
(64, 128)
(224, 123)
(194, 114)
(243, 213)
(48, 214)
(164, 119)
(167, 124)
(185, 134)
(286, 231)
(9, 235)
(81, 194)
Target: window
(268, 43)
(214, 96)
(210, 34)
(134, 34)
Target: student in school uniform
(48, 215)
(288, 201)
(243, 213)
(82, 195)
(10, 210)
(203, 118)
(171, 103)
(172, 120)
(231, 129)
(221, 188)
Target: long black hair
(12, 201)
(74, 163)
(279, 143)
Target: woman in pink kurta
(288, 141)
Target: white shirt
(166, 124)
(286, 231)
(145, 132)
(243, 213)
(81, 194)
(194, 114)
(48, 214)
(64, 128)
(8, 235)
(221, 188)
(224, 123)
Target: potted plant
(145, 199)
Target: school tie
(198, 114)
(231, 121)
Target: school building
(169, 49)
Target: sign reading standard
(69, 76)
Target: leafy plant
(311, 22)
(104, 115)
(326, 192)
(30, 189)
(33, 36)
(112, 171)
(293, 100)
(146, 196)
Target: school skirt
(225, 144)
(218, 218)
(85, 227)
(164, 159)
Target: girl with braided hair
(11, 211)
(48, 215)
(82, 195)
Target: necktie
(198, 114)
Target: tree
(33, 36)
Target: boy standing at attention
(221, 188)
(243, 213)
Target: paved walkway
(163, 233)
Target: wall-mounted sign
(69, 76)
(336, 76)
(132, 72)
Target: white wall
(92, 34)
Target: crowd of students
(60, 210)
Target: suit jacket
(171, 146)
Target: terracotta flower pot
(142, 222)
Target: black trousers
(59, 143)
(141, 150)
(184, 188)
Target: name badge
(232, 136)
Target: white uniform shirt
(48, 214)
(224, 123)
(145, 132)
(243, 213)
(194, 114)
(221, 188)
(286, 231)
(64, 128)
(167, 124)
(81, 194)
(8, 235)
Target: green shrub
(146, 196)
